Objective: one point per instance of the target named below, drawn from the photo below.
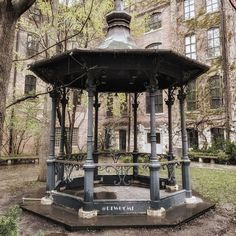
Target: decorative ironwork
(121, 171)
(170, 166)
(72, 163)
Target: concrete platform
(70, 220)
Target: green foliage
(9, 222)
(230, 150)
(25, 124)
(224, 150)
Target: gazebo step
(70, 220)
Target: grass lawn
(216, 185)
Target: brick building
(203, 30)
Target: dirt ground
(19, 181)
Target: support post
(63, 136)
(154, 165)
(135, 151)
(95, 153)
(171, 167)
(51, 157)
(186, 162)
(88, 207)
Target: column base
(48, 200)
(87, 214)
(156, 213)
(191, 200)
(170, 188)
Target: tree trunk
(7, 33)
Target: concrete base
(192, 200)
(47, 200)
(87, 214)
(156, 213)
(170, 188)
(71, 221)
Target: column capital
(182, 94)
(171, 98)
(54, 94)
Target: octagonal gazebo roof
(118, 70)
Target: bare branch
(22, 6)
(63, 40)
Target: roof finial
(119, 6)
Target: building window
(74, 141)
(30, 84)
(192, 138)
(158, 102)
(189, 9)
(124, 105)
(122, 140)
(192, 96)
(217, 137)
(108, 138)
(213, 37)
(216, 100)
(190, 46)
(154, 45)
(109, 105)
(158, 138)
(32, 45)
(153, 22)
(212, 5)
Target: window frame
(32, 44)
(218, 96)
(188, 13)
(193, 138)
(158, 137)
(191, 98)
(30, 85)
(153, 22)
(158, 102)
(213, 40)
(75, 137)
(210, 6)
(192, 46)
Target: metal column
(154, 165)
(89, 163)
(135, 151)
(186, 162)
(95, 154)
(63, 134)
(51, 157)
(171, 168)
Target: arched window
(156, 45)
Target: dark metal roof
(118, 70)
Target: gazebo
(118, 66)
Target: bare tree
(10, 11)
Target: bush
(230, 150)
(9, 222)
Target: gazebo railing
(69, 170)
